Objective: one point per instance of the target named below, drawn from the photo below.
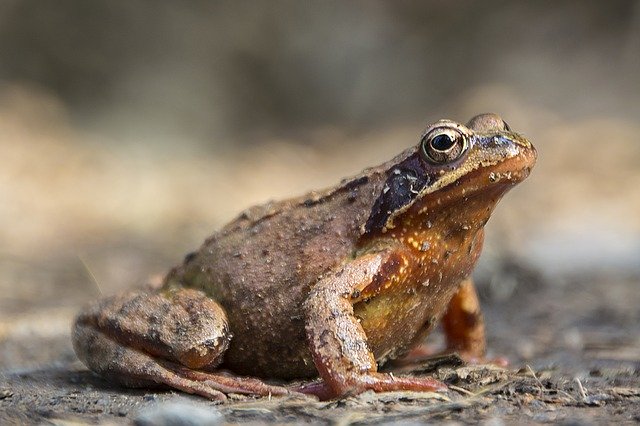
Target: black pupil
(442, 142)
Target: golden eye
(443, 145)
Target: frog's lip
(515, 168)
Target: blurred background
(131, 130)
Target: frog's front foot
(173, 338)
(377, 382)
(337, 340)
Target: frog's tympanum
(331, 284)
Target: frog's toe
(229, 383)
(387, 382)
(317, 388)
(377, 382)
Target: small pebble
(180, 414)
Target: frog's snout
(527, 153)
(507, 156)
(521, 160)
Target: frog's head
(464, 167)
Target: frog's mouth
(508, 173)
(490, 180)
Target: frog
(323, 290)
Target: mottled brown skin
(334, 283)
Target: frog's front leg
(338, 342)
(463, 324)
(173, 338)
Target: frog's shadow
(77, 380)
(87, 377)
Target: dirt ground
(574, 350)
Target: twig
(583, 394)
(461, 390)
(542, 388)
(91, 275)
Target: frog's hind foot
(136, 369)
(169, 338)
(229, 383)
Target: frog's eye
(443, 145)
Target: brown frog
(331, 284)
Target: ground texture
(574, 348)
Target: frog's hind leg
(150, 339)
(131, 367)
(463, 323)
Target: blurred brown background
(130, 130)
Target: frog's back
(261, 266)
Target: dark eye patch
(404, 183)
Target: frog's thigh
(336, 339)
(183, 326)
(463, 323)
